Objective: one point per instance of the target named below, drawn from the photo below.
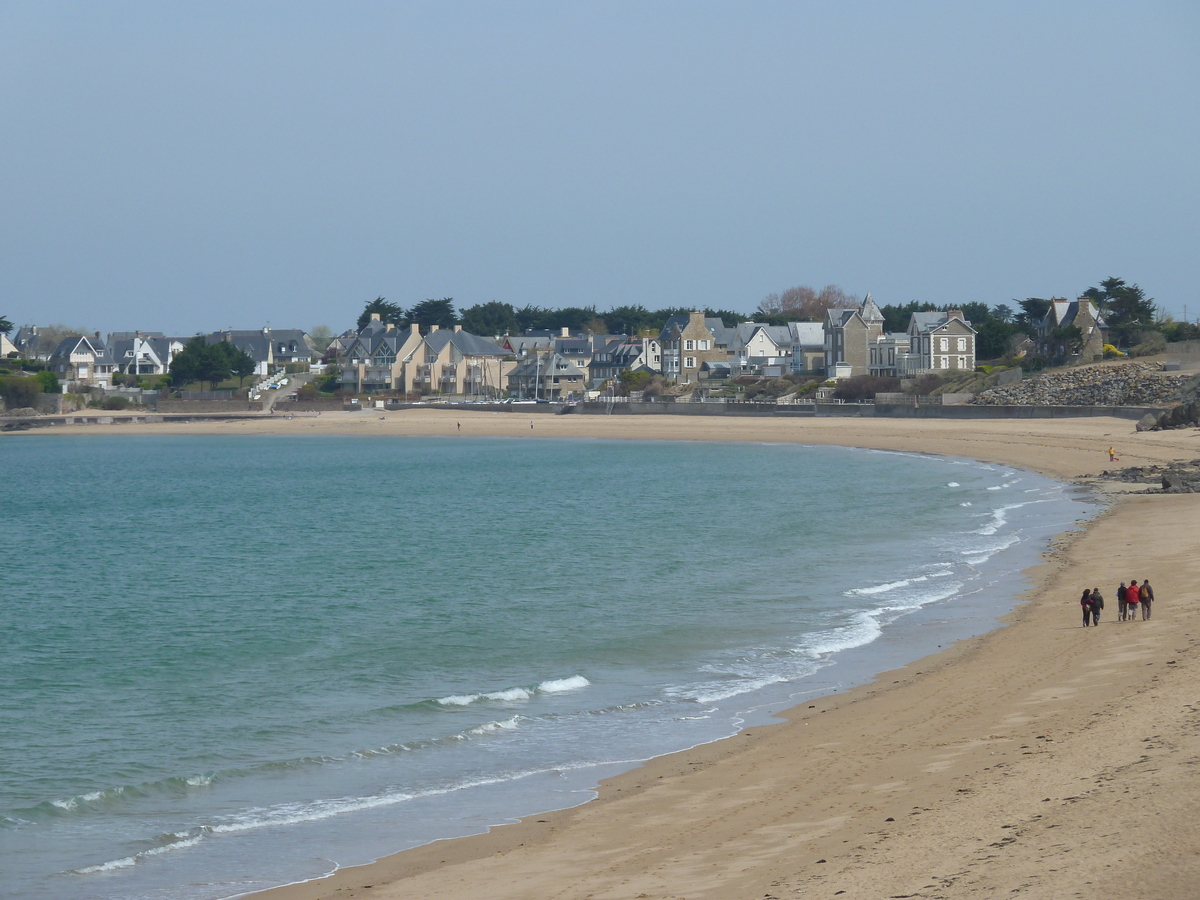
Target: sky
(185, 167)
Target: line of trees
(503, 318)
(200, 361)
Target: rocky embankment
(1121, 384)
(1176, 478)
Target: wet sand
(1040, 760)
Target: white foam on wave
(998, 519)
(459, 700)
(514, 694)
(995, 487)
(712, 693)
(297, 813)
(977, 556)
(890, 586)
(559, 685)
(493, 727)
(175, 841)
(313, 811)
(965, 503)
(884, 588)
(953, 484)
(509, 694)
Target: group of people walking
(1129, 599)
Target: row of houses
(689, 349)
(93, 361)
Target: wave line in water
(550, 686)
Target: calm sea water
(234, 662)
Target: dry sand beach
(1040, 760)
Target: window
(704, 345)
(689, 362)
(689, 345)
(962, 362)
(962, 344)
(943, 362)
(945, 344)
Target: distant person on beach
(1086, 602)
(1132, 598)
(1112, 455)
(1147, 597)
(1097, 604)
(1122, 609)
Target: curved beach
(1041, 759)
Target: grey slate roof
(809, 335)
(722, 336)
(465, 343)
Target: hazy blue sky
(191, 166)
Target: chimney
(374, 317)
(97, 335)
(955, 314)
(565, 332)
(457, 329)
(432, 329)
(390, 328)
(414, 328)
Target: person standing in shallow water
(1147, 595)
(1097, 604)
(1086, 602)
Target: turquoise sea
(235, 662)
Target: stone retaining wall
(192, 407)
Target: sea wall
(191, 407)
(905, 411)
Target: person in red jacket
(1132, 598)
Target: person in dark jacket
(1097, 604)
(1121, 608)
(1147, 594)
(1086, 602)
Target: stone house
(939, 342)
(849, 334)
(1082, 314)
(546, 375)
(692, 347)
(623, 354)
(83, 360)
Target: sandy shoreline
(1039, 760)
